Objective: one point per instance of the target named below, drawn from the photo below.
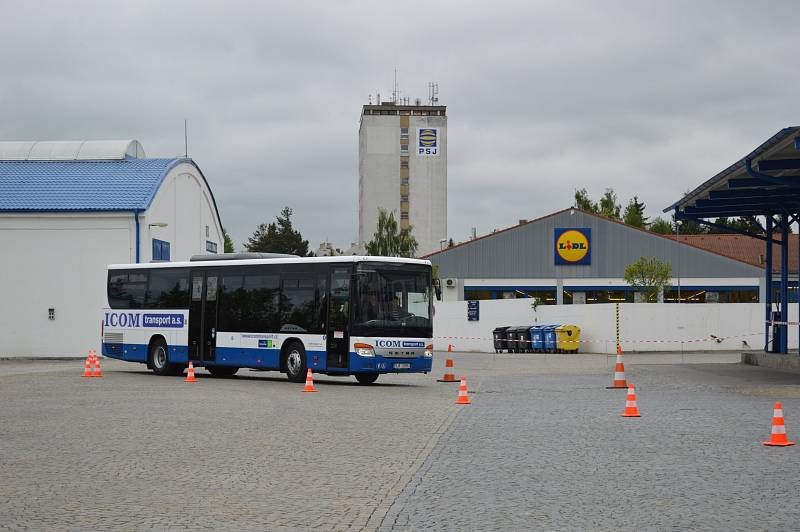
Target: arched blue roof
(89, 186)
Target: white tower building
(402, 167)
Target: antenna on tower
(185, 139)
(369, 100)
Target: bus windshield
(392, 300)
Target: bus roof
(245, 262)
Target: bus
(340, 316)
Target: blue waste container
(550, 340)
(536, 334)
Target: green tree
(388, 241)
(278, 237)
(650, 275)
(583, 202)
(228, 247)
(661, 226)
(634, 214)
(608, 204)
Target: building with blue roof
(70, 208)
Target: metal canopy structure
(765, 183)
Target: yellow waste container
(568, 338)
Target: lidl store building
(574, 257)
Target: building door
(203, 315)
(338, 339)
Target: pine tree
(278, 237)
(634, 214)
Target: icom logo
(428, 141)
(573, 246)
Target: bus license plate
(402, 366)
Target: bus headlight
(429, 351)
(364, 350)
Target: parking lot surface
(542, 446)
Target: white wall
(184, 203)
(57, 261)
(674, 326)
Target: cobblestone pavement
(542, 446)
(550, 452)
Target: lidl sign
(573, 246)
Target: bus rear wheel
(366, 378)
(159, 359)
(294, 361)
(222, 371)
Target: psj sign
(573, 246)
(428, 141)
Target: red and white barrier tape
(711, 338)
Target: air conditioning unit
(450, 283)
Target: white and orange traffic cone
(778, 437)
(619, 373)
(449, 376)
(631, 410)
(97, 371)
(309, 387)
(190, 374)
(87, 366)
(463, 398)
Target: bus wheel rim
(160, 358)
(293, 362)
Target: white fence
(643, 326)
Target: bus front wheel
(366, 378)
(294, 360)
(159, 359)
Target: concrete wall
(676, 327)
(379, 178)
(428, 186)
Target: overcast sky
(649, 98)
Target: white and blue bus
(359, 316)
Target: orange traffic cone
(87, 367)
(631, 410)
(449, 348)
(309, 387)
(190, 374)
(449, 376)
(463, 398)
(778, 437)
(619, 373)
(97, 371)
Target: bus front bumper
(359, 364)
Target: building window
(404, 133)
(160, 250)
(404, 216)
(404, 162)
(404, 181)
(208, 233)
(211, 247)
(404, 197)
(404, 149)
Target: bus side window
(232, 299)
(127, 289)
(168, 288)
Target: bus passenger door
(338, 339)
(203, 315)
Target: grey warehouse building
(577, 257)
